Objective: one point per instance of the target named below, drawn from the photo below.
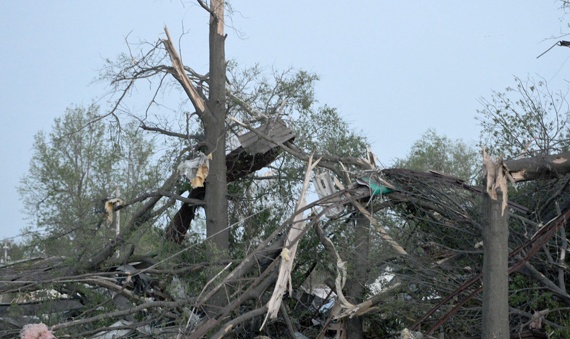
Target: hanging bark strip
(496, 175)
(340, 279)
(289, 251)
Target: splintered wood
(496, 175)
(289, 250)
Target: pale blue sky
(392, 68)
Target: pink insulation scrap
(36, 331)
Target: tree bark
(215, 131)
(495, 269)
(359, 273)
(540, 167)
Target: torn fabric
(196, 170)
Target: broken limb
(180, 75)
(340, 269)
(289, 250)
(385, 236)
(539, 167)
(368, 305)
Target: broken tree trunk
(495, 250)
(215, 132)
(540, 167)
(212, 113)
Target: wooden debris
(276, 130)
(289, 251)
(325, 187)
(110, 205)
(496, 174)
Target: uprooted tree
(389, 247)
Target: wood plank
(276, 130)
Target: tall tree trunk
(215, 132)
(495, 269)
(359, 272)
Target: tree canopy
(75, 169)
(439, 153)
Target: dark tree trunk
(359, 272)
(495, 269)
(178, 227)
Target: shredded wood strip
(289, 251)
(496, 174)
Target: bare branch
(170, 133)
(180, 75)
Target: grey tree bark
(215, 133)
(495, 269)
(540, 167)
(358, 273)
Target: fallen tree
(410, 192)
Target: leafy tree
(261, 202)
(75, 168)
(439, 153)
(527, 120)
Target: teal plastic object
(375, 187)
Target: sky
(393, 69)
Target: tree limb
(540, 167)
(181, 76)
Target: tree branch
(540, 167)
(170, 133)
(181, 76)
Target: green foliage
(527, 120)
(260, 203)
(435, 152)
(530, 296)
(283, 92)
(563, 332)
(324, 131)
(74, 168)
